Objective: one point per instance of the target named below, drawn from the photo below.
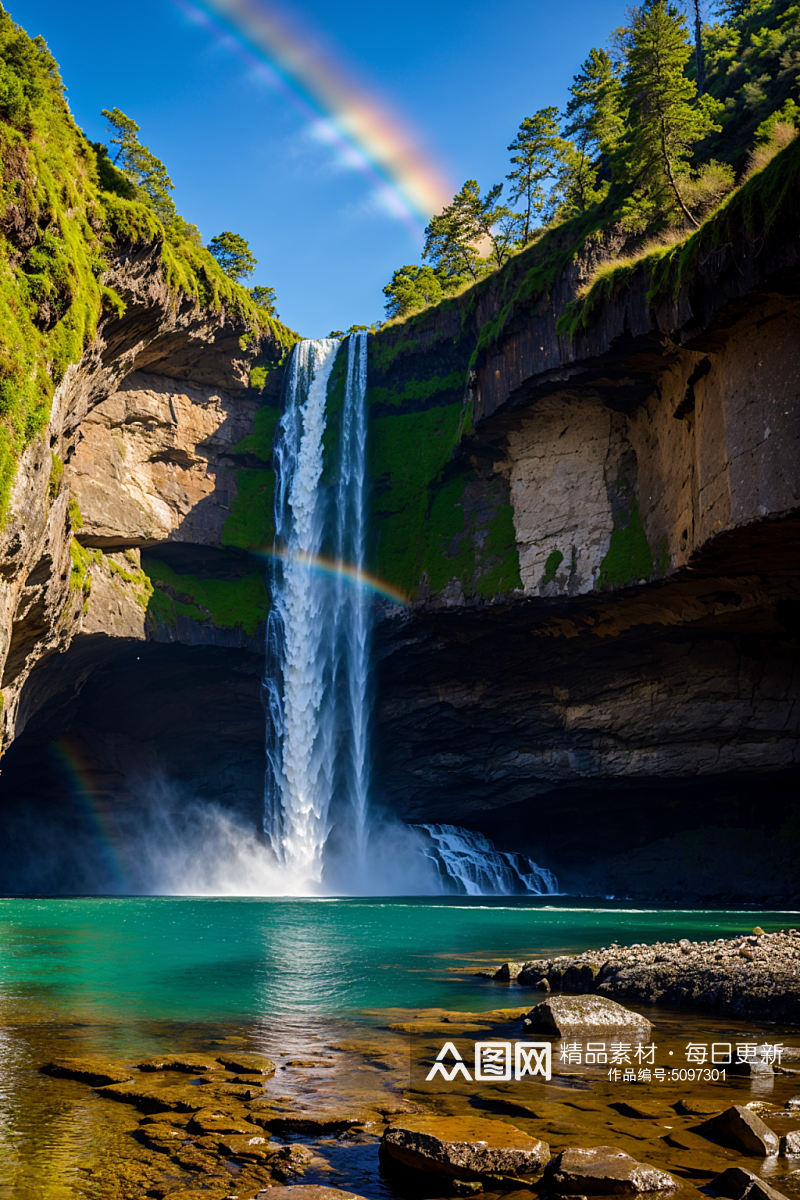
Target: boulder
(736, 1183)
(790, 1143)
(793, 1103)
(508, 971)
(96, 1071)
(741, 1129)
(463, 1147)
(566, 1016)
(247, 1064)
(603, 1169)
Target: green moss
(228, 603)
(629, 555)
(81, 562)
(552, 563)
(135, 577)
(56, 474)
(251, 525)
(406, 454)
(418, 391)
(258, 444)
(75, 516)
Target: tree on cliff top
(412, 288)
(539, 154)
(139, 165)
(265, 297)
(468, 225)
(665, 118)
(233, 254)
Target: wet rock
(254, 1147)
(736, 1183)
(790, 1143)
(508, 972)
(698, 1108)
(160, 1136)
(295, 1118)
(248, 1064)
(741, 1129)
(222, 1122)
(96, 1071)
(152, 1098)
(171, 1062)
(793, 1103)
(640, 1110)
(308, 1191)
(601, 1170)
(568, 1015)
(463, 1148)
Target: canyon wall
(591, 503)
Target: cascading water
(471, 864)
(318, 666)
(318, 628)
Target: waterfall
(475, 867)
(317, 682)
(317, 679)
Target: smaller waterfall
(471, 864)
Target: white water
(471, 862)
(317, 795)
(319, 625)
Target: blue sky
(460, 74)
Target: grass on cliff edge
(227, 603)
(58, 230)
(768, 203)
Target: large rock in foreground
(568, 1015)
(464, 1148)
(741, 1129)
(601, 1170)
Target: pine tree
(665, 118)
(594, 113)
(594, 122)
(455, 237)
(538, 152)
(233, 254)
(138, 164)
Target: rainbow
(341, 570)
(78, 772)
(338, 109)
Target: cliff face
(591, 502)
(619, 706)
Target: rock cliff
(588, 491)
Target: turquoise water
(178, 959)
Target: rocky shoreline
(755, 975)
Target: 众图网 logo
(495, 1062)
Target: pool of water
(153, 958)
(130, 977)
